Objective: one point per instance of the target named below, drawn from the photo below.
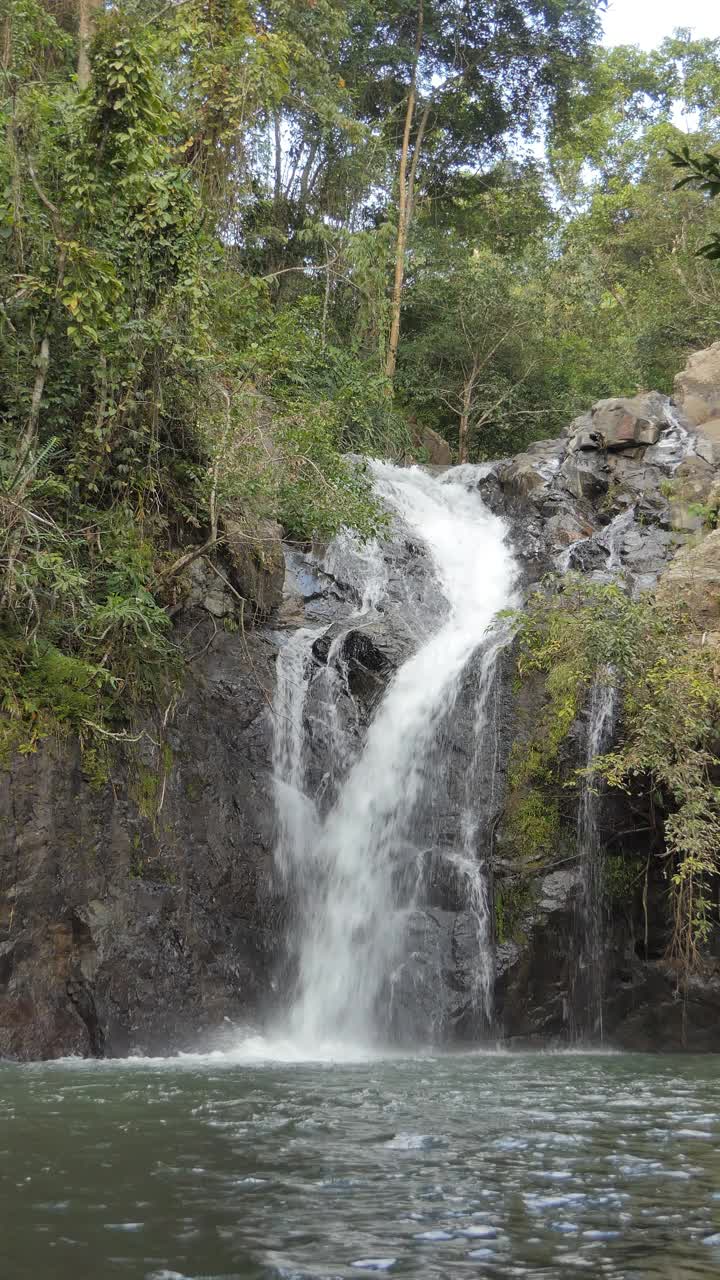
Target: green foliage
(513, 901)
(326, 403)
(196, 256)
(564, 640)
(83, 641)
(708, 513)
(472, 354)
(45, 691)
(532, 821)
(621, 880)
(670, 723)
(704, 174)
(538, 307)
(125, 377)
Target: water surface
(491, 1165)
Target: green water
(475, 1165)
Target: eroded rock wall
(630, 493)
(141, 915)
(145, 915)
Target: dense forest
(241, 244)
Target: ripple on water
(415, 1142)
(462, 1166)
(536, 1204)
(374, 1264)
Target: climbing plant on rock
(669, 731)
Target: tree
(135, 411)
(626, 297)
(210, 244)
(704, 174)
(472, 348)
(463, 83)
(87, 10)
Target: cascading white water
(349, 865)
(473, 871)
(589, 988)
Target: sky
(647, 22)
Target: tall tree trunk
(278, 192)
(468, 392)
(410, 203)
(86, 18)
(6, 58)
(405, 200)
(465, 421)
(326, 298)
(400, 245)
(6, 43)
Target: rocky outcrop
(143, 913)
(256, 563)
(614, 495)
(644, 1009)
(434, 450)
(634, 485)
(708, 441)
(697, 392)
(692, 582)
(366, 655)
(522, 476)
(625, 424)
(140, 914)
(697, 388)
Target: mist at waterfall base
(352, 844)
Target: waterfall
(349, 844)
(472, 870)
(590, 959)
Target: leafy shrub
(670, 725)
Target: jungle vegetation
(243, 242)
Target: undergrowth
(669, 732)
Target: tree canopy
(241, 242)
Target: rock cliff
(140, 915)
(144, 913)
(630, 494)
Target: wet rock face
(584, 477)
(365, 654)
(437, 992)
(142, 915)
(635, 483)
(642, 1010)
(432, 992)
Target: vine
(670, 725)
